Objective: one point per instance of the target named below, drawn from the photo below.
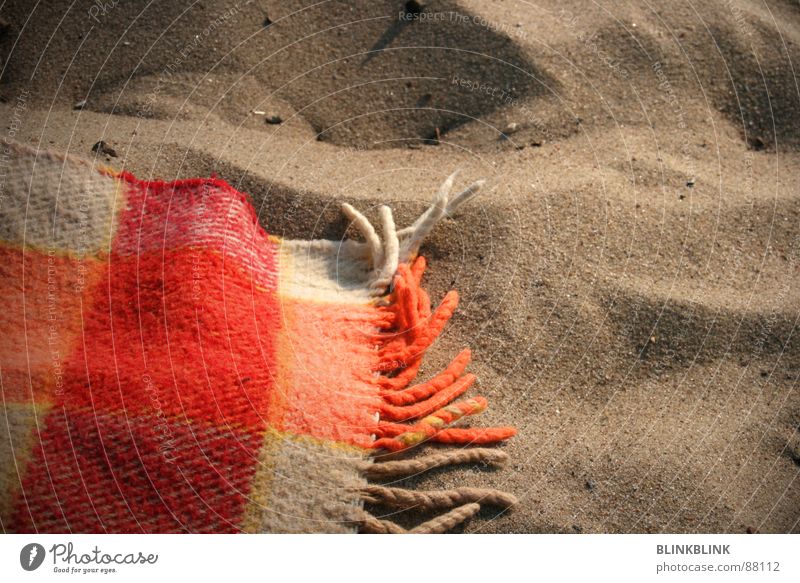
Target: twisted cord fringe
(406, 468)
(439, 525)
(427, 501)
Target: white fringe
(400, 246)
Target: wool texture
(168, 366)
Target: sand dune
(629, 279)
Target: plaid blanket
(168, 366)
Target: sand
(629, 278)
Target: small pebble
(434, 140)
(274, 120)
(267, 21)
(757, 143)
(103, 148)
(80, 105)
(415, 6)
(511, 128)
(690, 182)
(794, 454)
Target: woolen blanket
(168, 366)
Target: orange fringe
(411, 329)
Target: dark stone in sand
(415, 6)
(103, 148)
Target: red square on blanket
(117, 473)
(184, 333)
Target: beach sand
(629, 277)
